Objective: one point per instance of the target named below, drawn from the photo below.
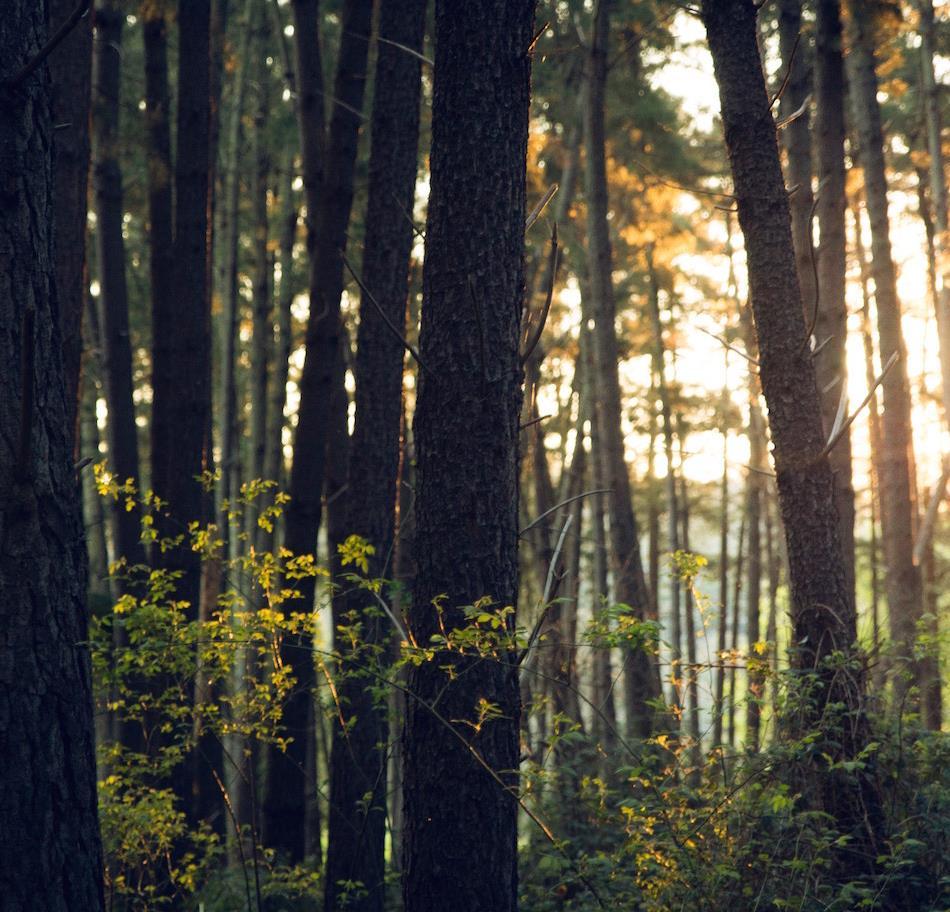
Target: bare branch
(539, 208)
(552, 270)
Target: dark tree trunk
(831, 369)
(357, 828)
(822, 612)
(466, 434)
(904, 596)
(641, 681)
(723, 625)
(71, 71)
(328, 181)
(113, 301)
(50, 852)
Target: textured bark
(466, 434)
(357, 830)
(113, 299)
(904, 595)
(641, 681)
(71, 71)
(823, 616)
(328, 165)
(831, 369)
(50, 853)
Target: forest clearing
(474, 456)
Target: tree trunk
(831, 369)
(641, 681)
(328, 183)
(71, 72)
(50, 852)
(113, 300)
(722, 632)
(466, 434)
(822, 612)
(896, 480)
(358, 780)
(737, 578)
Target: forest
(474, 456)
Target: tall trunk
(896, 460)
(938, 186)
(466, 433)
(722, 632)
(774, 559)
(672, 507)
(230, 459)
(831, 369)
(358, 759)
(754, 494)
(71, 72)
(931, 697)
(822, 612)
(737, 578)
(50, 851)
(874, 423)
(262, 340)
(329, 195)
(641, 682)
(113, 301)
(692, 673)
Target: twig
(563, 503)
(834, 438)
(533, 421)
(552, 269)
(408, 50)
(408, 217)
(546, 597)
(395, 331)
(820, 346)
(539, 208)
(781, 124)
(731, 348)
(27, 360)
(788, 72)
(34, 64)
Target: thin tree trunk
(692, 678)
(328, 164)
(466, 432)
(672, 508)
(50, 850)
(722, 632)
(71, 74)
(831, 369)
(896, 481)
(641, 681)
(358, 759)
(739, 565)
(822, 611)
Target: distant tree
(50, 853)
(358, 758)
(823, 615)
(461, 770)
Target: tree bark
(641, 682)
(358, 759)
(904, 594)
(822, 612)
(50, 851)
(831, 369)
(71, 73)
(466, 434)
(722, 632)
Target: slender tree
(50, 852)
(358, 759)
(831, 319)
(466, 434)
(642, 684)
(904, 595)
(823, 616)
